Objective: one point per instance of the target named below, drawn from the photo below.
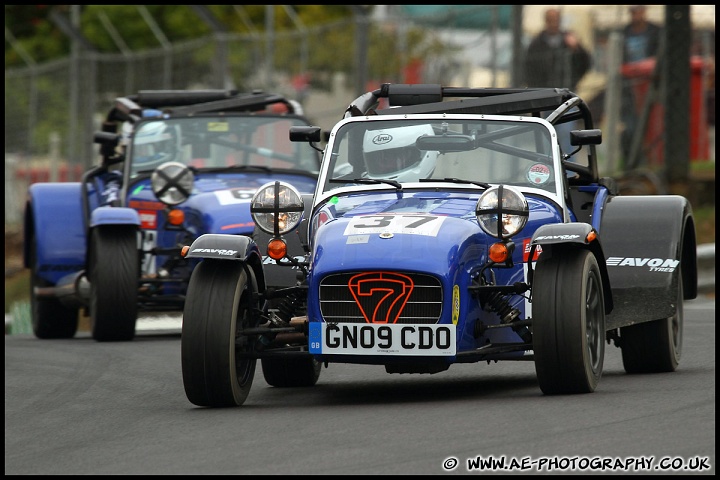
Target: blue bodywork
(174, 165)
(445, 232)
(57, 224)
(61, 234)
(454, 254)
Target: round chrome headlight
(172, 183)
(502, 211)
(276, 208)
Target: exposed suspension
(498, 303)
(286, 308)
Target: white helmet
(391, 154)
(154, 143)
(127, 129)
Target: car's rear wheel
(114, 270)
(656, 346)
(291, 372)
(221, 299)
(50, 318)
(568, 314)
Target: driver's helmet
(391, 154)
(127, 127)
(153, 143)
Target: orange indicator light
(176, 217)
(498, 252)
(276, 249)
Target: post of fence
(54, 155)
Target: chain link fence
(52, 110)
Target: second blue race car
(175, 165)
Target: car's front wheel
(221, 299)
(568, 313)
(114, 272)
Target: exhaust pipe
(72, 291)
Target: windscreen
(475, 150)
(217, 142)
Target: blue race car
(448, 227)
(175, 165)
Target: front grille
(381, 297)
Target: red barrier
(42, 174)
(642, 72)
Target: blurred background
(65, 64)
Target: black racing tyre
(291, 372)
(50, 318)
(568, 321)
(221, 299)
(656, 346)
(114, 272)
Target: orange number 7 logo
(381, 296)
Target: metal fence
(52, 110)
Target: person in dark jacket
(555, 57)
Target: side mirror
(586, 137)
(108, 144)
(305, 134)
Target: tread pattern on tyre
(568, 357)
(220, 294)
(114, 275)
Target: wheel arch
(688, 259)
(28, 232)
(53, 217)
(553, 238)
(114, 216)
(229, 248)
(645, 238)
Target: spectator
(555, 58)
(641, 40)
(641, 37)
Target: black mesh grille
(382, 297)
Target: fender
(53, 217)
(226, 247)
(114, 216)
(648, 240)
(557, 235)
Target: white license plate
(382, 339)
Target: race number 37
(389, 223)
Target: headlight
(502, 211)
(276, 208)
(172, 183)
